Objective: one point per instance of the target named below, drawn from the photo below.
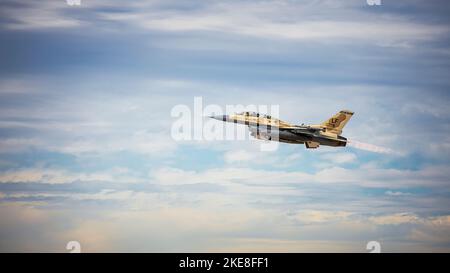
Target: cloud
(319, 217)
(227, 176)
(435, 229)
(88, 126)
(239, 156)
(311, 21)
(16, 86)
(214, 227)
(43, 15)
(395, 219)
(160, 229)
(386, 178)
(251, 155)
(141, 142)
(262, 20)
(86, 153)
(55, 176)
(34, 175)
(369, 177)
(17, 145)
(340, 158)
(397, 193)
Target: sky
(87, 154)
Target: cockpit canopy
(254, 114)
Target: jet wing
(259, 133)
(253, 129)
(305, 130)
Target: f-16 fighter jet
(268, 128)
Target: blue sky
(86, 152)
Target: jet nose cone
(220, 117)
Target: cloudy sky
(86, 152)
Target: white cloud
(141, 142)
(34, 175)
(59, 176)
(340, 158)
(300, 22)
(395, 219)
(320, 216)
(239, 156)
(89, 125)
(14, 145)
(227, 175)
(16, 86)
(214, 227)
(397, 193)
(112, 127)
(435, 176)
(432, 230)
(251, 155)
(315, 21)
(39, 15)
(364, 177)
(247, 198)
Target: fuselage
(268, 128)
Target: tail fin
(337, 122)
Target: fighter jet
(266, 127)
